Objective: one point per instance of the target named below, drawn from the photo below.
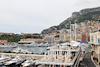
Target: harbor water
(37, 50)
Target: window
(95, 38)
(92, 38)
(98, 40)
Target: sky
(32, 16)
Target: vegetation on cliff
(16, 38)
(10, 38)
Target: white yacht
(28, 63)
(20, 50)
(26, 43)
(43, 45)
(4, 58)
(15, 60)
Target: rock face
(81, 16)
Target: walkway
(23, 55)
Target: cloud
(83, 4)
(35, 15)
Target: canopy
(74, 43)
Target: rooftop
(60, 55)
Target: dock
(35, 56)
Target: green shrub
(4, 51)
(68, 41)
(72, 56)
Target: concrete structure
(95, 41)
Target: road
(87, 60)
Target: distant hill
(81, 16)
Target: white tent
(74, 43)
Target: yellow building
(62, 36)
(95, 41)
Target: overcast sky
(32, 16)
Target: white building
(62, 56)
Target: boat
(48, 48)
(20, 50)
(4, 58)
(14, 61)
(9, 45)
(43, 45)
(28, 63)
(26, 43)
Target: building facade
(62, 36)
(85, 37)
(95, 41)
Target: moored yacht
(20, 50)
(15, 60)
(43, 44)
(3, 59)
(26, 43)
(28, 63)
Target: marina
(67, 54)
(18, 60)
(37, 50)
(62, 55)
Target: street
(87, 60)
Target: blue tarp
(84, 42)
(63, 42)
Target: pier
(35, 56)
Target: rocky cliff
(81, 16)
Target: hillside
(81, 16)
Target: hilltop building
(3, 41)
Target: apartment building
(62, 36)
(85, 37)
(95, 41)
